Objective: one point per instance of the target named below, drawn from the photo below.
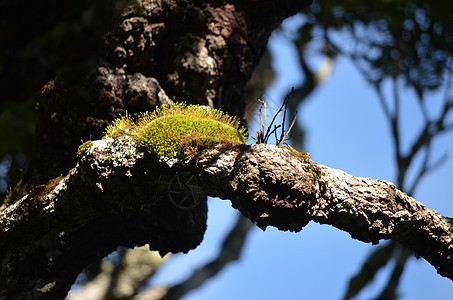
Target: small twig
(427, 168)
(284, 105)
(262, 135)
(289, 130)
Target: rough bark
(41, 40)
(196, 51)
(113, 184)
(52, 233)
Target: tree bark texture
(271, 185)
(200, 52)
(41, 40)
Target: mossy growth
(82, 148)
(10, 193)
(179, 129)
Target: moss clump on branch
(179, 129)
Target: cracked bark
(270, 185)
(274, 187)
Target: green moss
(318, 177)
(120, 126)
(8, 196)
(165, 135)
(179, 129)
(82, 148)
(10, 193)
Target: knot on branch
(275, 189)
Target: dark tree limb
(49, 235)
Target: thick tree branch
(272, 186)
(48, 236)
(116, 186)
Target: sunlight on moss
(179, 129)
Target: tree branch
(273, 186)
(114, 185)
(107, 200)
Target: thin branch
(396, 98)
(262, 136)
(289, 130)
(422, 170)
(423, 109)
(284, 117)
(449, 84)
(284, 104)
(425, 169)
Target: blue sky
(346, 129)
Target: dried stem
(263, 135)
